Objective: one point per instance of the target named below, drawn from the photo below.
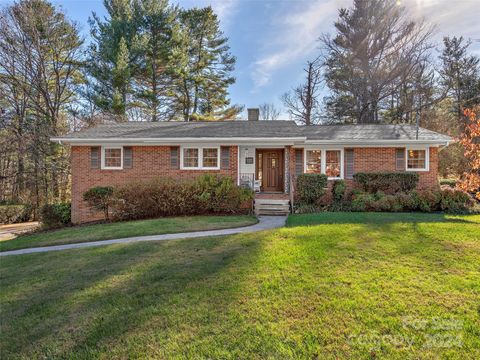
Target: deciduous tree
(470, 139)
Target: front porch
(265, 170)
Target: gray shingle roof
(218, 129)
(255, 129)
(371, 132)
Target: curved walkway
(265, 223)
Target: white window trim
(427, 158)
(103, 166)
(323, 161)
(200, 158)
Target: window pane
(314, 158)
(210, 157)
(190, 158)
(416, 159)
(113, 157)
(332, 168)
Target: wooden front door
(272, 169)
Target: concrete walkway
(265, 223)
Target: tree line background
(148, 60)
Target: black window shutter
(127, 157)
(225, 157)
(174, 157)
(298, 161)
(400, 159)
(349, 163)
(95, 157)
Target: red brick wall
(383, 159)
(148, 162)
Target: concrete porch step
(272, 202)
(272, 212)
(279, 207)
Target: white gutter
(295, 141)
(168, 141)
(377, 142)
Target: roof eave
(189, 140)
(365, 142)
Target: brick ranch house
(267, 154)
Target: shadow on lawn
(80, 304)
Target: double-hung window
(333, 163)
(190, 158)
(210, 158)
(313, 162)
(195, 158)
(417, 159)
(329, 162)
(112, 158)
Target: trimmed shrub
(99, 198)
(387, 203)
(406, 201)
(388, 182)
(220, 194)
(55, 215)
(208, 194)
(455, 201)
(10, 214)
(362, 201)
(338, 190)
(426, 201)
(310, 187)
(448, 182)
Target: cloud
(224, 9)
(460, 19)
(294, 37)
(295, 30)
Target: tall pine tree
(203, 66)
(113, 54)
(460, 75)
(376, 45)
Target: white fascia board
(377, 143)
(176, 141)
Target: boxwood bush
(388, 182)
(55, 215)
(310, 187)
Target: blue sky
(272, 39)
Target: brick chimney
(253, 114)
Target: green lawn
(78, 234)
(329, 286)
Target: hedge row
(388, 182)
(377, 192)
(208, 194)
(448, 200)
